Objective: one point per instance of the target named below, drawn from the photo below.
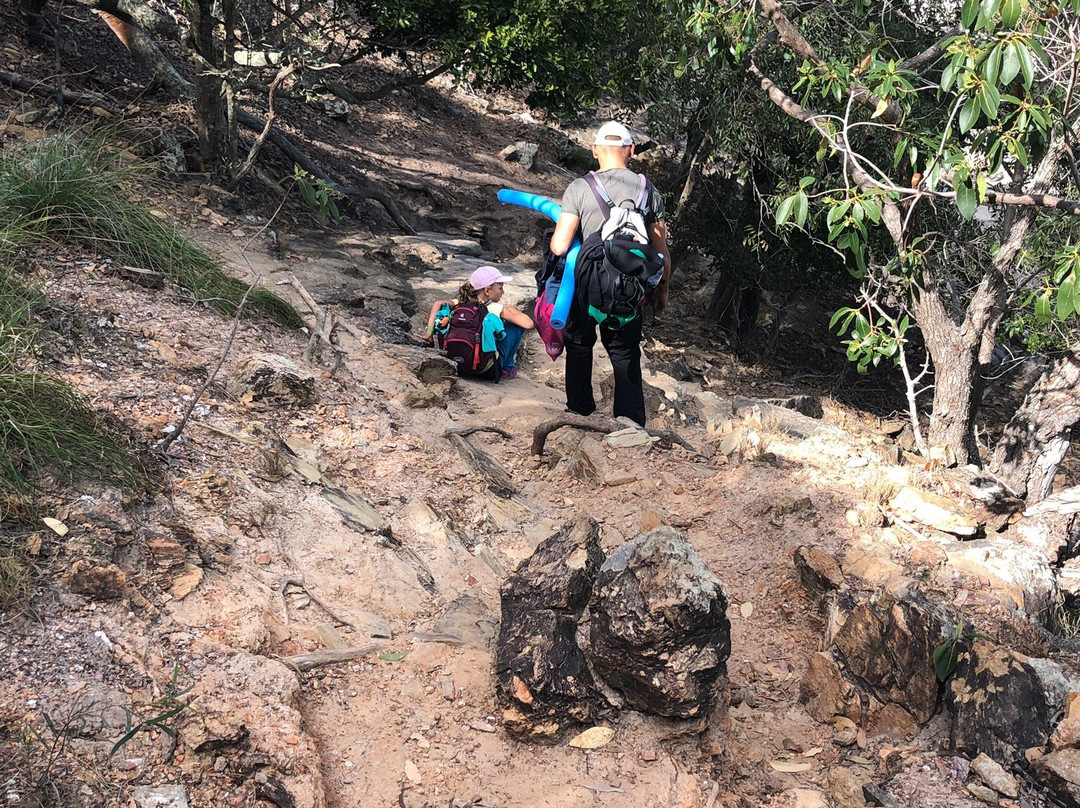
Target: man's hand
(660, 299)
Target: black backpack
(464, 343)
(617, 267)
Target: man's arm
(658, 241)
(563, 237)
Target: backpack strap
(639, 204)
(602, 198)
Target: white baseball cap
(613, 133)
(484, 276)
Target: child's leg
(508, 345)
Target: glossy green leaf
(1042, 309)
(1010, 13)
(1027, 66)
(800, 208)
(393, 656)
(1064, 304)
(837, 213)
(945, 657)
(783, 211)
(966, 200)
(948, 75)
(969, 114)
(968, 12)
(898, 151)
(987, 10)
(990, 100)
(992, 65)
(1010, 64)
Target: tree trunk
(211, 108)
(961, 350)
(1036, 439)
(955, 350)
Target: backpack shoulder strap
(643, 185)
(602, 198)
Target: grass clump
(49, 433)
(64, 190)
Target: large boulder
(659, 631)
(888, 645)
(998, 702)
(544, 680)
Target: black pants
(623, 346)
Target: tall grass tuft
(49, 434)
(63, 189)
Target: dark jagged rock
(659, 631)
(998, 703)
(543, 676)
(818, 571)
(826, 692)
(559, 574)
(544, 680)
(889, 645)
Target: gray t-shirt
(621, 184)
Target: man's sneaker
(509, 373)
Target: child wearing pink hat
(505, 325)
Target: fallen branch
(596, 423)
(283, 74)
(300, 584)
(468, 430)
(318, 659)
(319, 332)
(37, 88)
(168, 440)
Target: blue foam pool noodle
(541, 204)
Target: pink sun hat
(484, 276)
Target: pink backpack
(553, 339)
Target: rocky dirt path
(273, 570)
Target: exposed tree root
(596, 423)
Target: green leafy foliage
(870, 339)
(947, 654)
(564, 53)
(319, 195)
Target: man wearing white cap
(613, 147)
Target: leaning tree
(944, 144)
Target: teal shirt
(491, 332)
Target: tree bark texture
(1036, 439)
(210, 102)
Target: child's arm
(429, 331)
(517, 317)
